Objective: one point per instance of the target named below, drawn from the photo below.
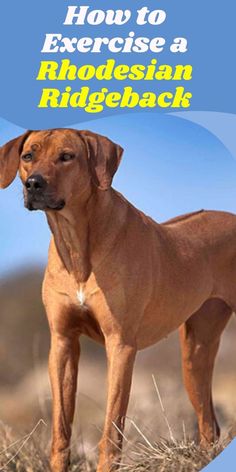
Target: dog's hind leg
(200, 338)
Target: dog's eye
(27, 157)
(66, 157)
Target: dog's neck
(85, 233)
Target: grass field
(30, 454)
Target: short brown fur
(122, 279)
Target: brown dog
(120, 278)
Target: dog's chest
(81, 297)
(84, 295)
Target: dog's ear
(104, 158)
(10, 158)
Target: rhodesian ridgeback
(120, 278)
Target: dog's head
(58, 166)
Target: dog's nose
(35, 183)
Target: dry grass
(141, 453)
(30, 454)
(169, 456)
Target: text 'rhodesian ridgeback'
(120, 278)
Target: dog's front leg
(121, 358)
(63, 366)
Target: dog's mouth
(44, 204)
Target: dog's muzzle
(37, 196)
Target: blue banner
(175, 56)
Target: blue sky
(170, 166)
